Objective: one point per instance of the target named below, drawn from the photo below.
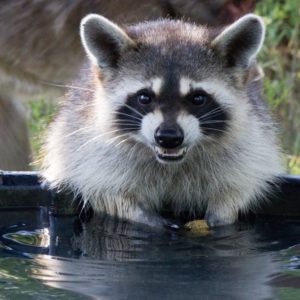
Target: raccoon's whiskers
(133, 125)
(123, 141)
(210, 113)
(220, 122)
(125, 122)
(65, 86)
(93, 104)
(90, 127)
(124, 114)
(76, 131)
(107, 132)
(214, 122)
(214, 129)
(98, 137)
(133, 109)
(144, 110)
(80, 130)
(110, 141)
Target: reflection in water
(38, 237)
(107, 238)
(107, 259)
(198, 279)
(125, 261)
(288, 280)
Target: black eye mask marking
(213, 118)
(129, 116)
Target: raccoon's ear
(103, 40)
(240, 42)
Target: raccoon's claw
(159, 222)
(215, 220)
(171, 226)
(156, 221)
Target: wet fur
(221, 175)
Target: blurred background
(280, 59)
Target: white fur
(149, 124)
(184, 86)
(156, 84)
(190, 127)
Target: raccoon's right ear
(239, 43)
(103, 40)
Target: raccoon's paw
(214, 219)
(159, 222)
(155, 221)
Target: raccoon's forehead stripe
(184, 86)
(133, 86)
(156, 84)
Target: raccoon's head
(173, 85)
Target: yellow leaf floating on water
(197, 227)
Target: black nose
(169, 137)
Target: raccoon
(168, 114)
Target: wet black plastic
(24, 189)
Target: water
(61, 258)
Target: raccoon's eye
(144, 97)
(198, 98)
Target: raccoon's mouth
(167, 155)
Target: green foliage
(288, 293)
(280, 59)
(41, 114)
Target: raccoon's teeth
(163, 152)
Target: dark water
(60, 258)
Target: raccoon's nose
(169, 137)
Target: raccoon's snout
(169, 138)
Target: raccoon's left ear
(103, 41)
(239, 43)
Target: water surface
(61, 258)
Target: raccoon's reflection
(107, 238)
(120, 260)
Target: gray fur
(240, 42)
(120, 175)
